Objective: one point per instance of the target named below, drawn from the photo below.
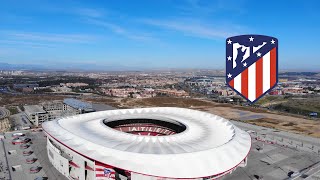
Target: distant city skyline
(152, 34)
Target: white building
(36, 114)
(47, 111)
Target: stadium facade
(146, 144)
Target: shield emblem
(252, 65)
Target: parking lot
(40, 151)
(16, 155)
(270, 160)
(275, 162)
(34, 151)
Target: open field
(255, 116)
(302, 105)
(164, 102)
(16, 100)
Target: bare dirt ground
(261, 117)
(15, 100)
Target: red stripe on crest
(244, 83)
(231, 83)
(273, 67)
(259, 77)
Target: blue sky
(154, 33)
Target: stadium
(147, 143)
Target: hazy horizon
(101, 68)
(159, 34)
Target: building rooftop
(77, 104)
(34, 109)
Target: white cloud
(26, 43)
(48, 37)
(88, 12)
(121, 31)
(190, 28)
(207, 8)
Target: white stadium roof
(210, 145)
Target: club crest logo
(252, 65)
(107, 173)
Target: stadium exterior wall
(76, 166)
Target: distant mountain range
(87, 67)
(103, 68)
(7, 66)
(68, 67)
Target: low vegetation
(17, 100)
(301, 106)
(13, 110)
